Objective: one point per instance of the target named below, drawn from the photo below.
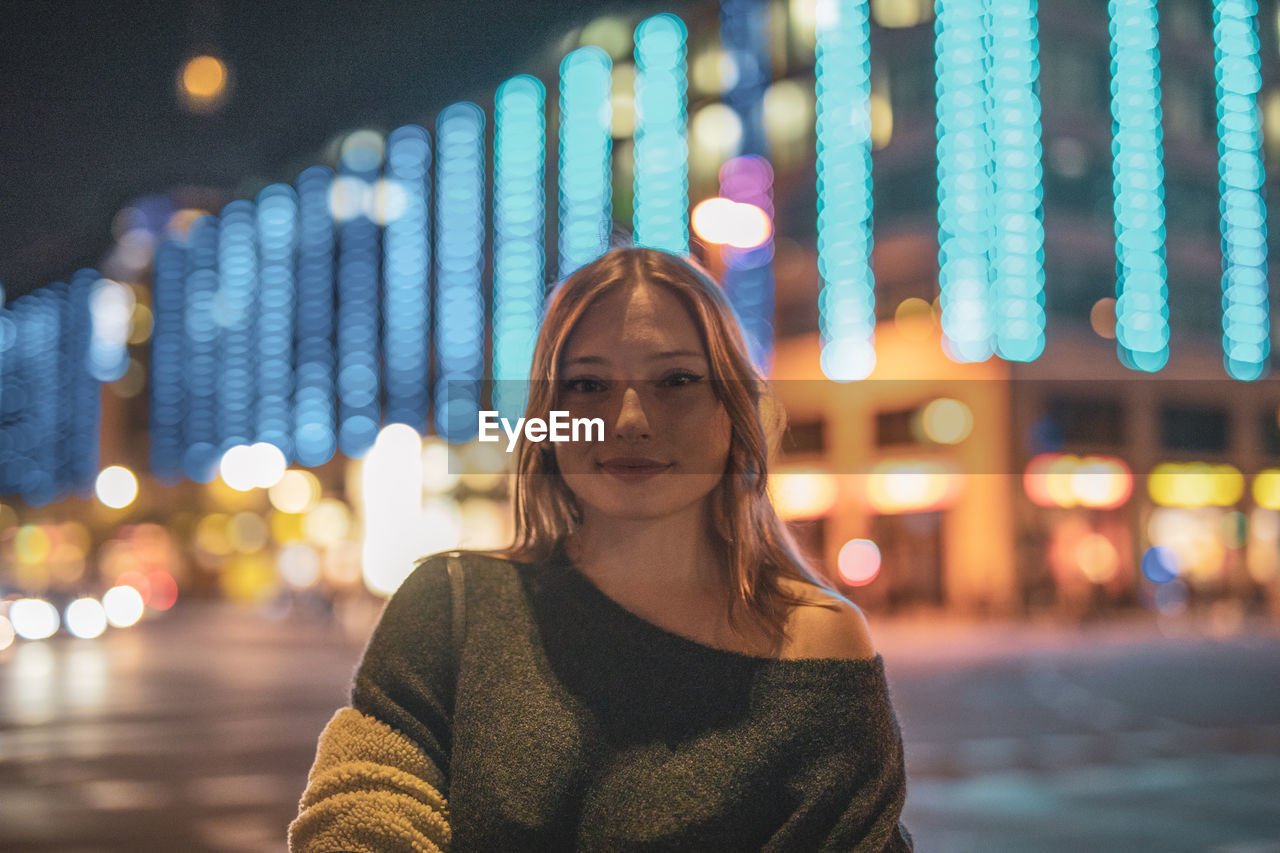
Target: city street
(195, 732)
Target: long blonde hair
(757, 548)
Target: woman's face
(635, 359)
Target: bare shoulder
(826, 632)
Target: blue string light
(235, 311)
(519, 147)
(748, 277)
(965, 208)
(1017, 253)
(585, 150)
(459, 255)
(661, 146)
(357, 319)
(1142, 290)
(38, 346)
(167, 404)
(1246, 327)
(406, 264)
(315, 439)
(846, 303)
(201, 454)
(277, 240)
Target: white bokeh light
(86, 618)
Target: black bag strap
(459, 623)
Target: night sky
(90, 118)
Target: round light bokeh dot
(33, 618)
(124, 606)
(299, 565)
(947, 421)
(859, 562)
(85, 618)
(116, 487)
(6, 633)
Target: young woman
(651, 665)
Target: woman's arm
(379, 782)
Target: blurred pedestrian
(652, 664)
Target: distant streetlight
(203, 83)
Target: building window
(1088, 421)
(805, 437)
(1202, 428)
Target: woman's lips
(633, 470)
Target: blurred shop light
(1142, 312)
(585, 145)
(519, 149)
(1195, 484)
(859, 562)
(440, 471)
(406, 271)
(33, 618)
(277, 226)
(252, 466)
(730, 223)
(894, 14)
(906, 486)
(1245, 317)
(788, 112)
(391, 499)
(203, 82)
(123, 605)
(459, 256)
(1064, 480)
(1192, 534)
(661, 147)
(713, 71)
(846, 304)
(296, 492)
(715, 135)
(610, 34)
(802, 495)
(327, 523)
(164, 590)
(1017, 249)
(1266, 488)
(622, 101)
(1097, 558)
(299, 565)
(85, 618)
(914, 319)
(946, 421)
(116, 487)
(1102, 318)
(314, 437)
(1159, 564)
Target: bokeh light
(33, 618)
(946, 421)
(123, 605)
(296, 492)
(116, 487)
(859, 562)
(85, 618)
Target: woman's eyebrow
(599, 359)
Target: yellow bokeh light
(881, 121)
(1097, 558)
(1266, 488)
(328, 523)
(32, 544)
(204, 78)
(899, 487)
(1195, 484)
(725, 222)
(211, 534)
(802, 495)
(914, 318)
(296, 492)
(286, 527)
(141, 324)
(247, 532)
(947, 421)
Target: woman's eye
(679, 380)
(582, 385)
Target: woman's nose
(632, 421)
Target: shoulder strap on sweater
(458, 590)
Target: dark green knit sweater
(578, 725)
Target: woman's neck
(651, 554)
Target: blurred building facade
(1067, 483)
